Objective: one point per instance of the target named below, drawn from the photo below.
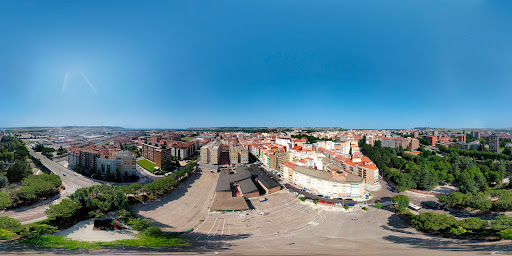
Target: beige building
(332, 184)
(238, 155)
(210, 153)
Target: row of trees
(165, 185)
(442, 223)
(494, 200)
(427, 170)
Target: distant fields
(186, 138)
(146, 164)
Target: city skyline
(175, 65)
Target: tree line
(444, 224)
(499, 200)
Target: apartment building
(404, 142)
(122, 162)
(494, 143)
(210, 153)
(332, 184)
(238, 155)
(356, 164)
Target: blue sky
(179, 64)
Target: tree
(6, 234)
(9, 223)
(501, 222)
(467, 183)
(18, 171)
(472, 223)
(3, 181)
(402, 201)
(5, 200)
(65, 209)
(506, 234)
(152, 231)
(432, 221)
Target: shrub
(472, 223)
(502, 222)
(365, 208)
(346, 207)
(8, 223)
(5, 234)
(38, 230)
(457, 231)
(302, 199)
(152, 231)
(140, 224)
(378, 206)
(506, 233)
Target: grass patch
(52, 241)
(186, 138)
(146, 164)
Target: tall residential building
(238, 155)
(210, 153)
(476, 134)
(461, 137)
(494, 143)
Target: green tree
(65, 209)
(472, 223)
(9, 223)
(402, 201)
(5, 200)
(139, 224)
(506, 234)
(6, 234)
(3, 181)
(433, 221)
(501, 222)
(18, 171)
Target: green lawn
(186, 138)
(52, 241)
(146, 164)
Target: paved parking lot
(281, 215)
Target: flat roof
(264, 178)
(223, 201)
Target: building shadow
(450, 244)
